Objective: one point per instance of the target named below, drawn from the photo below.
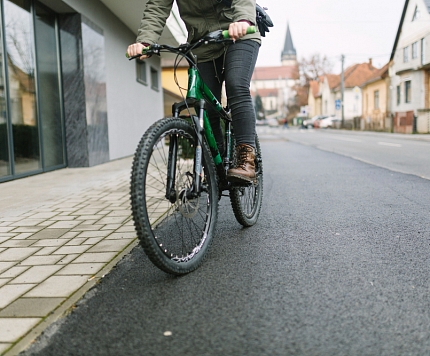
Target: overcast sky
(359, 29)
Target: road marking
(347, 139)
(389, 144)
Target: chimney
(370, 62)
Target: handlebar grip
(249, 30)
(144, 50)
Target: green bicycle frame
(198, 90)
(198, 95)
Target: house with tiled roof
(376, 101)
(410, 71)
(276, 85)
(354, 77)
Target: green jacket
(200, 17)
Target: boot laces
(242, 155)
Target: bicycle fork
(197, 174)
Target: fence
(423, 121)
(404, 122)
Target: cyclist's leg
(240, 61)
(239, 65)
(212, 74)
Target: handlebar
(249, 30)
(212, 37)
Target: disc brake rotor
(187, 207)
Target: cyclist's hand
(237, 30)
(136, 49)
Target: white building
(68, 95)
(409, 73)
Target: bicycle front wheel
(246, 200)
(174, 227)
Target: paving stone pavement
(60, 232)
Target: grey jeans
(235, 68)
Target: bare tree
(313, 67)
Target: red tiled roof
(379, 74)
(358, 74)
(273, 73)
(333, 80)
(354, 75)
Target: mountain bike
(179, 175)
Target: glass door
(22, 87)
(48, 79)
(33, 121)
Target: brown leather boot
(244, 166)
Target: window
(414, 50)
(417, 14)
(398, 94)
(141, 72)
(154, 79)
(408, 91)
(422, 51)
(376, 99)
(405, 54)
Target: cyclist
(217, 63)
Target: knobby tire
(246, 201)
(176, 236)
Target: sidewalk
(60, 232)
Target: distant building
(328, 98)
(327, 92)
(314, 98)
(375, 92)
(276, 85)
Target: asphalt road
(401, 153)
(338, 264)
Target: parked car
(329, 122)
(273, 122)
(262, 122)
(310, 123)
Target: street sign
(337, 104)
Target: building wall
(311, 104)
(315, 106)
(375, 117)
(413, 32)
(132, 107)
(417, 91)
(168, 80)
(353, 103)
(327, 100)
(417, 31)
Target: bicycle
(178, 175)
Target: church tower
(289, 54)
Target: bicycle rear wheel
(246, 200)
(175, 231)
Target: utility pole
(342, 89)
